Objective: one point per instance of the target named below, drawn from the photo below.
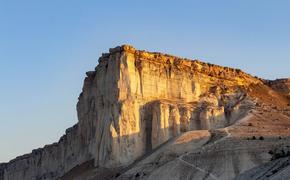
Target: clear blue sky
(47, 46)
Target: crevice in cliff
(138, 65)
(148, 130)
(168, 69)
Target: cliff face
(133, 102)
(136, 100)
(48, 162)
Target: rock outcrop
(136, 101)
(280, 85)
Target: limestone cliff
(133, 102)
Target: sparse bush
(118, 174)
(281, 154)
(261, 138)
(254, 137)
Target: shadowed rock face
(134, 103)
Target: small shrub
(274, 171)
(137, 175)
(271, 152)
(283, 152)
(254, 137)
(261, 138)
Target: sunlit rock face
(133, 102)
